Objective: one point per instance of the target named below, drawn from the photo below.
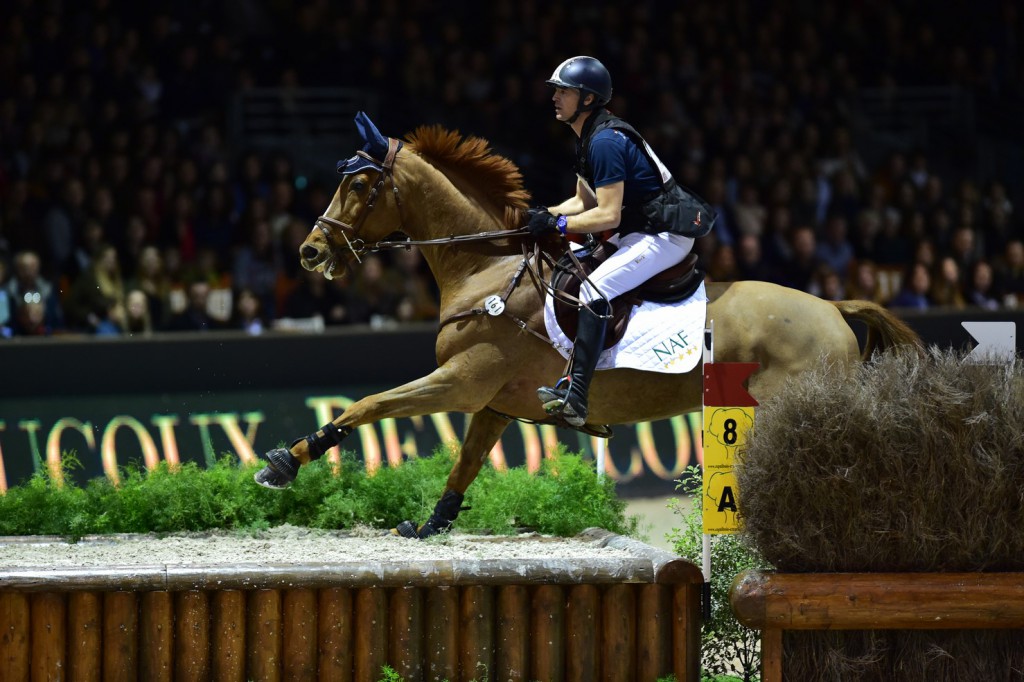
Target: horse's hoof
(406, 530)
(281, 470)
(270, 478)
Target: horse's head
(360, 210)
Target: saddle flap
(668, 286)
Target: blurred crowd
(124, 211)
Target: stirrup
(552, 397)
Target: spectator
(30, 316)
(829, 284)
(28, 284)
(947, 285)
(981, 291)
(916, 285)
(863, 283)
(963, 247)
(195, 317)
(256, 266)
(419, 289)
(723, 267)
(97, 292)
(315, 296)
(376, 292)
(798, 272)
(137, 318)
(749, 264)
(151, 280)
(1011, 274)
(835, 250)
(62, 222)
(246, 314)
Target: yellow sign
(725, 432)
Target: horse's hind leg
(485, 428)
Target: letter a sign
(728, 415)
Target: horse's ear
(375, 144)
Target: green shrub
(565, 497)
(727, 648)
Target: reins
(495, 304)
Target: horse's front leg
(443, 390)
(485, 428)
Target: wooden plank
(513, 623)
(49, 636)
(85, 637)
(120, 636)
(476, 633)
(618, 624)
(583, 634)
(334, 633)
(192, 636)
(877, 601)
(263, 635)
(228, 657)
(156, 636)
(771, 655)
(406, 627)
(15, 635)
(686, 631)
(547, 640)
(654, 632)
(442, 633)
(300, 634)
(371, 633)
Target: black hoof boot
(281, 470)
(445, 513)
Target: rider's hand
(541, 222)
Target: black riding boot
(571, 402)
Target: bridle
(355, 244)
(351, 232)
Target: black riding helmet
(587, 75)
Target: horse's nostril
(309, 252)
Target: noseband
(355, 244)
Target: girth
(668, 286)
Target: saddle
(668, 286)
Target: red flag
(723, 384)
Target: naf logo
(672, 348)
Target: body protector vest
(673, 208)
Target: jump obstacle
(617, 619)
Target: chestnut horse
(463, 204)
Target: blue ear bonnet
(375, 146)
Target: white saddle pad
(660, 337)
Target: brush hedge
(563, 498)
(903, 464)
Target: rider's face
(566, 101)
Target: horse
(463, 205)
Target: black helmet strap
(580, 107)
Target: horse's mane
(497, 177)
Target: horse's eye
(358, 185)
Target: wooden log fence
(776, 602)
(634, 619)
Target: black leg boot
(571, 401)
(445, 512)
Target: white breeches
(640, 257)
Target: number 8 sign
(728, 415)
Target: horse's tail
(885, 330)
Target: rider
(622, 187)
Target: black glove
(541, 222)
